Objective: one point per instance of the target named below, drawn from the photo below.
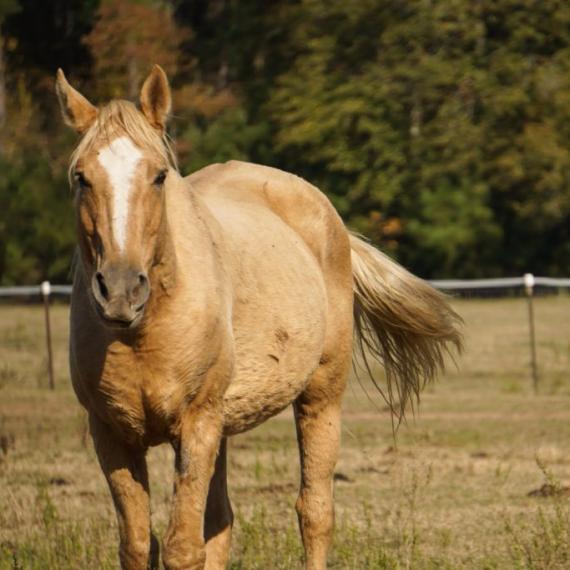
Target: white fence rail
(500, 283)
(445, 284)
(32, 290)
(528, 281)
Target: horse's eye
(82, 181)
(160, 178)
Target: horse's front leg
(196, 449)
(126, 473)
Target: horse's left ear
(155, 98)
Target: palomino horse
(202, 306)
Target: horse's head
(119, 171)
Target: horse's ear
(155, 98)
(77, 112)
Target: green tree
(36, 227)
(128, 37)
(527, 118)
(379, 109)
(438, 128)
(7, 7)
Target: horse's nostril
(103, 290)
(141, 290)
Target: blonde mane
(123, 118)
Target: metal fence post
(529, 282)
(45, 288)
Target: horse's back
(302, 206)
(284, 245)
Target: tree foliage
(127, 35)
(439, 129)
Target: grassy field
(478, 479)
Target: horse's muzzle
(120, 293)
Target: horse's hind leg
(317, 417)
(219, 515)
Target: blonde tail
(401, 321)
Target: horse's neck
(187, 263)
(164, 271)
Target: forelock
(122, 118)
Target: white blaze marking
(120, 160)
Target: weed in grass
(8, 375)
(502, 473)
(18, 338)
(512, 387)
(542, 542)
(41, 374)
(258, 468)
(406, 530)
(55, 544)
(390, 544)
(262, 544)
(557, 382)
(7, 440)
(359, 547)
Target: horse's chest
(140, 395)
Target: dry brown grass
(454, 494)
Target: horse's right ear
(77, 112)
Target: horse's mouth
(119, 323)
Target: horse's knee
(183, 556)
(316, 512)
(134, 553)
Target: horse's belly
(274, 359)
(262, 389)
(279, 332)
